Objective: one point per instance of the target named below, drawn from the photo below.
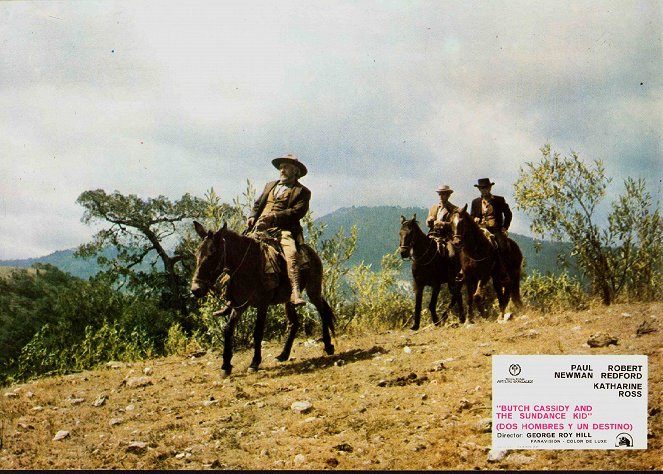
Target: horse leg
(432, 306)
(470, 287)
(327, 317)
(500, 292)
(455, 290)
(258, 333)
(228, 334)
(515, 292)
(293, 326)
(418, 295)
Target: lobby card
(569, 402)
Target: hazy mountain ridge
(377, 235)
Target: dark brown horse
(240, 257)
(478, 260)
(429, 268)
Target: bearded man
(278, 210)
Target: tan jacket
(432, 213)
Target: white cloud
(382, 100)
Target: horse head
(210, 259)
(408, 227)
(461, 222)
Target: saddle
(491, 238)
(272, 259)
(441, 240)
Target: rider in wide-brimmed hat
(439, 220)
(439, 215)
(278, 211)
(493, 213)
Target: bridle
(408, 248)
(222, 268)
(459, 243)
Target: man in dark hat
(493, 213)
(278, 211)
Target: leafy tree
(140, 229)
(562, 194)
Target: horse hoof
(225, 374)
(415, 327)
(252, 369)
(282, 357)
(330, 349)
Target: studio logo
(514, 370)
(624, 440)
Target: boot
(293, 275)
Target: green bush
(378, 299)
(553, 292)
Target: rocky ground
(393, 400)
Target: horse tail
(328, 317)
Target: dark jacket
(502, 211)
(287, 219)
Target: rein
(225, 269)
(409, 248)
(460, 245)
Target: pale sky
(382, 100)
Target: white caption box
(569, 402)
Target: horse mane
(475, 229)
(414, 224)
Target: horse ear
(225, 226)
(200, 230)
(464, 209)
(414, 216)
(402, 218)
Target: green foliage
(53, 322)
(379, 300)
(561, 196)
(636, 224)
(334, 252)
(553, 292)
(140, 229)
(51, 349)
(176, 341)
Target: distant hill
(65, 261)
(377, 235)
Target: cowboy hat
(483, 183)
(291, 159)
(444, 188)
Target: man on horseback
(493, 213)
(439, 218)
(439, 224)
(278, 211)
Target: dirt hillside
(394, 400)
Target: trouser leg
(502, 248)
(292, 263)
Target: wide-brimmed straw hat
(292, 159)
(483, 183)
(444, 188)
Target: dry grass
(367, 412)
